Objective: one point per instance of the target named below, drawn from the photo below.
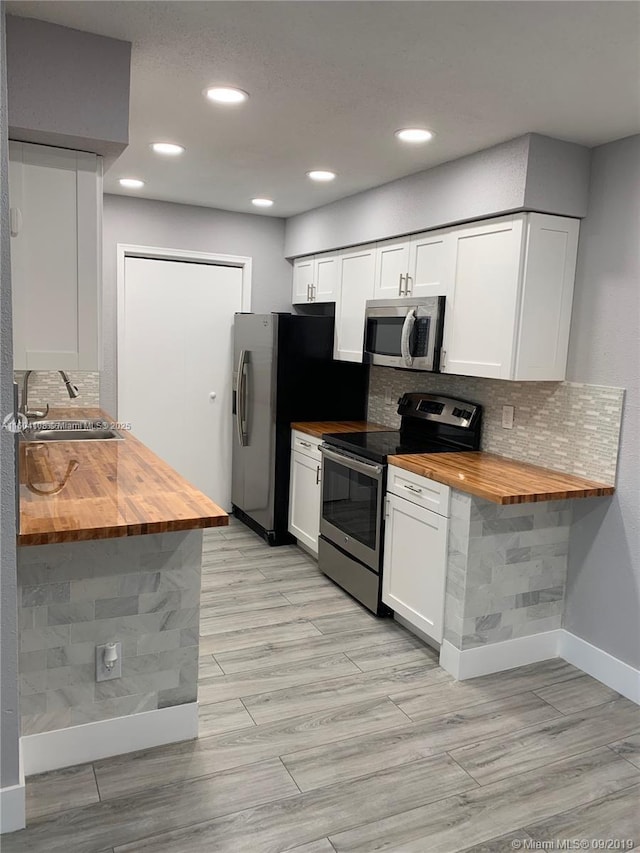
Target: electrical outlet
(103, 672)
(507, 417)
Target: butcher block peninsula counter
(110, 552)
(498, 479)
(77, 490)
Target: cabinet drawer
(419, 490)
(307, 444)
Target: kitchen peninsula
(110, 550)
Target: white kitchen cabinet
(56, 229)
(316, 278)
(302, 280)
(415, 560)
(419, 266)
(305, 490)
(392, 268)
(357, 274)
(509, 312)
(431, 263)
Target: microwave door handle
(407, 328)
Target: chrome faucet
(72, 391)
(34, 415)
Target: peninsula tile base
(142, 591)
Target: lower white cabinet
(305, 490)
(415, 561)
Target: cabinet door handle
(313, 293)
(386, 508)
(305, 444)
(400, 293)
(318, 475)
(413, 489)
(443, 359)
(409, 287)
(308, 293)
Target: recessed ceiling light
(131, 183)
(321, 175)
(262, 202)
(414, 134)
(226, 95)
(167, 148)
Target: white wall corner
(105, 738)
(613, 672)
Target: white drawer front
(307, 444)
(419, 490)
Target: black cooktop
(378, 445)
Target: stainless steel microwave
(404, 332)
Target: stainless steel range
(354, 469)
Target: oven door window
(350, 502)
(384, 336)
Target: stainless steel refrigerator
(283, 371)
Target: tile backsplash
(46, 386)
(567, 426)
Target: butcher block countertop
(318, 428)
(78, 490)
(498, 479)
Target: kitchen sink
(79, 430)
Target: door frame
(155, 253)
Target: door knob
(212, 395)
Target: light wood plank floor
(324, 729)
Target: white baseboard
(601, 665)
(13, 805)
(497, 657)
(105, 738)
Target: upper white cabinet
(508, 284)
(56, 229)
(415, 266)
(357, 272)
(509, 310)
(431, 263)
(392, 269)
(302, 280)
(316, 279)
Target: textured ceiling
(331, 81)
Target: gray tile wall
(143, 591)
(567, 426)
(507, 568)
(46, 386)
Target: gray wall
(531, 172)
(179, 226)
(9, 721)
(67, 87)
(603, 593)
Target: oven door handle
(407, 328)
(367, 468)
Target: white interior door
(174, 375)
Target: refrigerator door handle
(241, 405)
